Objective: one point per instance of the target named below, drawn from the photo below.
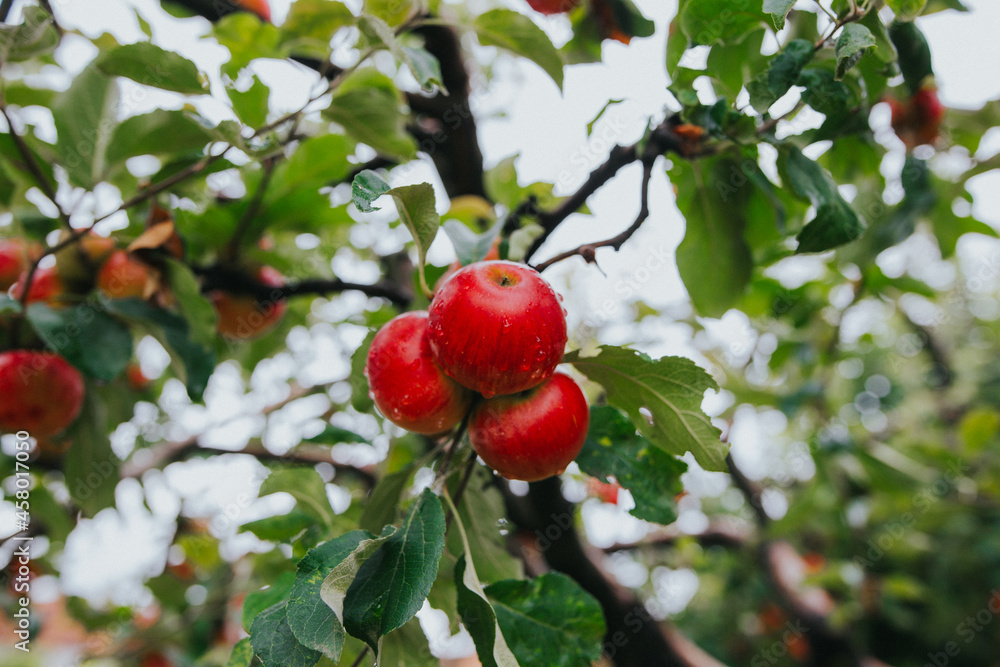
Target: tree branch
(633, 636)
(662, 139)
(32, 166)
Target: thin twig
(361, 656)
(31, 164)
(232, 249)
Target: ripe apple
(258, 7)
(497, 328)
(917, 121)
(534, 434)
(408, 386)
(553, 6)
(42, 393)
(242, 317)
(79, 261)
(46, 286)
(123, 276)
(14, 261)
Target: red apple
(553, 6)
(14, 261)
(497, 328)
(42, 394)
(532, 435)
(918, 120)
(123, 276)
(242, 317)
(408, 386)
(494, 253)
(46, 286)
(258, 7)
(607, 492)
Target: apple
(42, 394)
(534, 434)
(553, 6)
(407, 385)
(14, 261)
(243, 317)
(497, 327)
(258, 7)
(79, 261)
(46, 286)
(607, 492)
(917, 121)
(123, 276)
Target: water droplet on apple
(487, 394)
(506, 324)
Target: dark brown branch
(237, 282)
(718, 534)
(588, 250)
(751, 491)
(661, 140)
(5, 7)
(633, 636)
(32, 166)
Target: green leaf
(306, 486)
(416, 207)
(192, 362)
(311, 24)
(90, 466)
(482, 514)
(907, 10)
(479, 618)
(836, 222)
(549, 621)
(275, 645)
(470, 246)
(670, 389)
(778, 9)
(736, 65)
(361, 400)
(380, 507)
(710, 22)
(36, 36)
(367, 105)
(258, 601)
(406, 647)
(194, 307)
(854, 42)
(312, 622)
(613, 449)
(782, 73)
(885, 50)
(333, 435)
(914, 53)
(425, 67)
(96, 343)
(159, 132)
(393, 12)
(85, 118)
(393, 583)
(518, 34)
(339, 580)
(242, 655)
(366, 188)
(146, 63)
(251, 106)
(247, 38)
(712, 196)
(279, 528)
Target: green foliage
(878, 375)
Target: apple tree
(176, 238)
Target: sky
(547, 129)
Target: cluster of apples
(490, 343)
(45, 391)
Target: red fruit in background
(497, 328)
(258, 7)
(123, 276)
(46, 286)
(408, 386)
(607, 492)
(243, 317)
(155, 660)
(42, 394)
(532, 435)
(553, 6)
(917, 121)
(14, 261)
(135, 378)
